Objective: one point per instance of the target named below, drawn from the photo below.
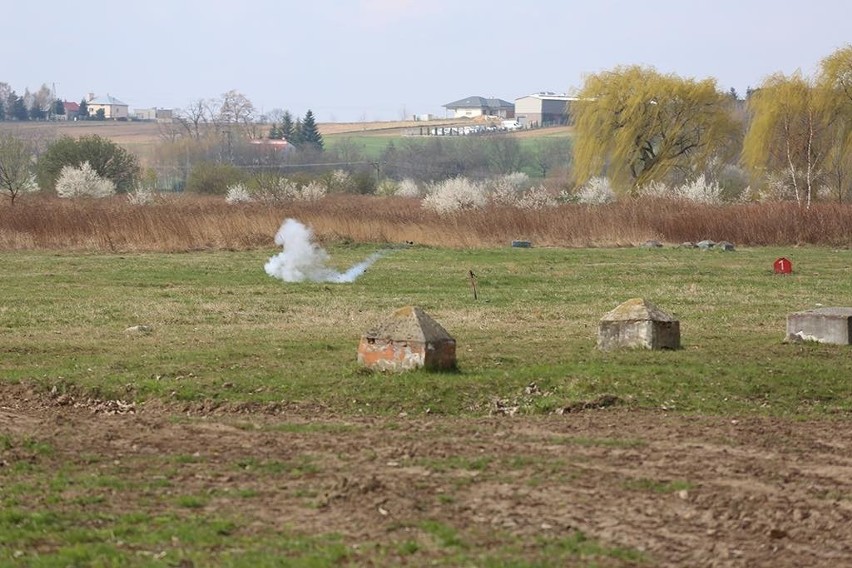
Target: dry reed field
(185, 223)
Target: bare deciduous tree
(16, 162)
(42, 102)
(236, 108)
(195, 117)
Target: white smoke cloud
(303, 260)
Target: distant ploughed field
(151, 132)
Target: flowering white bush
(509, 188)
(387, 187)
(778, 187)
(596, 191)
(30, 185)
(311, 192)
(657, 189)
(698, 190)
(454, 195)
(701, 191)
(141, 196)
(408, 188)
(337, 181)
(286, 190)
(538, 197)
(83, 182)
(237, 193)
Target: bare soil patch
(132, 132)
(684, 490)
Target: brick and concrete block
(408, 339)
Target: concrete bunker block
(408, 339)
(638, 323)
(824, 325)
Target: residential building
(153, 114)
(72, 110)
(543, 109)
(472, 107)
(113, 108)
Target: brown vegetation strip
(183, 223)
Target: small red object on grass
(783, 266)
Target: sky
(367, 60)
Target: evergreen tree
(59, 107)
(37, 113)
(83, 113)
(310, 134)
(287, 129)
(275, 132)
(19, 109)
(296, 139)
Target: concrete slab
(823, 325)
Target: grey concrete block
(823, 325)
(638, 323)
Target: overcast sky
(352, 60)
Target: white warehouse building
(543, 109)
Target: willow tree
(836, 78)
(637, 126)
(790, 136)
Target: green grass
(371, 146)
(47, 539)
(224, 331)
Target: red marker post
(783, 266)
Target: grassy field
(371, 138)
(260, 442)
(372, 146)
(225, 331)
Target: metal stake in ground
(472, 278)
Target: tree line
(792, 135)
(39, 105)
(642, 130)
(235, 112)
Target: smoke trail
(303, 260)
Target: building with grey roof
(472, 107)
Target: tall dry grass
(183, 223)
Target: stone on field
(824, 325)
(638, 323)
(408, 339)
